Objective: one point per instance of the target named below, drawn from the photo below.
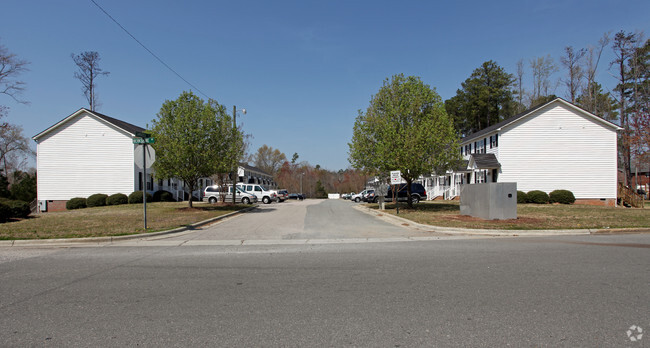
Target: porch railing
(628, 196)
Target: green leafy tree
(194, 139)
(404, 128)
(486, 98)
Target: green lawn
(529, 216)
(112, 220)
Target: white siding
(559, 148)
(82, 157)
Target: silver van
(214, 193)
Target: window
(461, 150)
(139, 181)
(484, 145)
(494, 141)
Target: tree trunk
(409, 201)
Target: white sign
(395, 177)
(137, 155)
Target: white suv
(262, 193)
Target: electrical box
(489, 201)
(42, 205)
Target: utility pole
(234, 172)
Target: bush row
(100, 199)
(541, 197)
(10, 209)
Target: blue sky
(302, 69)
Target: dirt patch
(517, 221)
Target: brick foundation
(608, 202)
(56, 206)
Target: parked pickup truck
(263, 194)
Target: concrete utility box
(490, 201)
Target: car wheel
(245, 200)
(266, 200)
(415, 199)
(376, 200)
(357, 199)
(212, 200)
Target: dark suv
(418, 193)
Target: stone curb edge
(466, 231)
(111, 239)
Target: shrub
(562, 196)
(75, 203)
(163, 196)
(19, 209)
(136, 197)
(96, 200)
(522, 197)
(117, 199)
(537, 197)
(5, 212)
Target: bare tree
(10, 67)
(543, 68)
(519, 81)
(590, 93)
(14, 148)
(89, 70)
(575, 74)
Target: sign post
(144, 139)
(395, 178)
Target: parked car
(359, 196)
(297, 196)
(213, 194)
(282, 195)
(262, 193)
(418, 193)
(369, 196)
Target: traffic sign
(144, 140)
(395, 177)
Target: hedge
(537, 197)
(562, 196)
(75, 203)
(522, 197)
(117, 199)
(5, 212)
(136, 197)
(19, 209)
(13, 209)
(163, 196)
(96, 200)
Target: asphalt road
(527, 292)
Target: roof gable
(531, 111)
(124, 126)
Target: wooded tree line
(491, 94)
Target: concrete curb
(396, 220)
(111, 239)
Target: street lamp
(301, 174)
(234, 172)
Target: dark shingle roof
(118, 123)
(254, 169)
(486, 161)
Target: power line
(148, 50)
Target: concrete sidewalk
(393, 219)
